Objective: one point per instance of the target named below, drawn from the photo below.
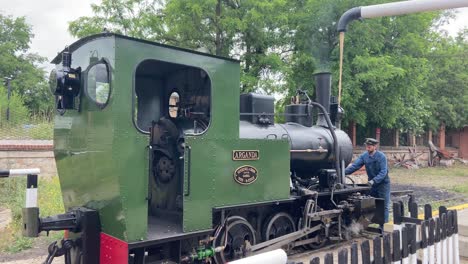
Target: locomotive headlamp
(65, 83)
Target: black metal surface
(336, 113)
(31, 181)
(350, 15)
(67, 221)
(300, 114)
(262, 105)
(4, 173)
(322, 95)
(349, 189)
(379, 213)
(249, 205)
(85, 223)
(301, 138)
(90, 227)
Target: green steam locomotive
(161, 160)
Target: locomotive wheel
(278, 225)
(320, 234)
(238, 231)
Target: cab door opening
(170, 101)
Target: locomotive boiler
(162, 160)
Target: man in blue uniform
(377, 172)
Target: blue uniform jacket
(376, 167)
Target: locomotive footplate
(346, 190)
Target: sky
(49, 20)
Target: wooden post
(429, 135)
(329, 258)
(377, 245)
(387, 249)
(377, 134)
(411, 139)
(442, 136)
(352, 132)
(354, 253)
(396, 246)
(365, 252)
(343, 256)
(397, 137)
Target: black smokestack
(322, 94)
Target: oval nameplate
(245, 175)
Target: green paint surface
(212, 181)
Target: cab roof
(77, 44)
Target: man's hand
(370, 183)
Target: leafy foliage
(28, 80)
(394, 67)
(447, 91)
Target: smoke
(355, 228)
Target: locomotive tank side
(311, 148)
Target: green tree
(28, 80)
(136, 18)
(18, 112)
(254, 31)
(384, 63)
(389, 62)
(447, 89)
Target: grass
(452, 179)
(12, 196)
(43, 131)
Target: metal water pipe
(396, 9)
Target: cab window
(98, 84)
